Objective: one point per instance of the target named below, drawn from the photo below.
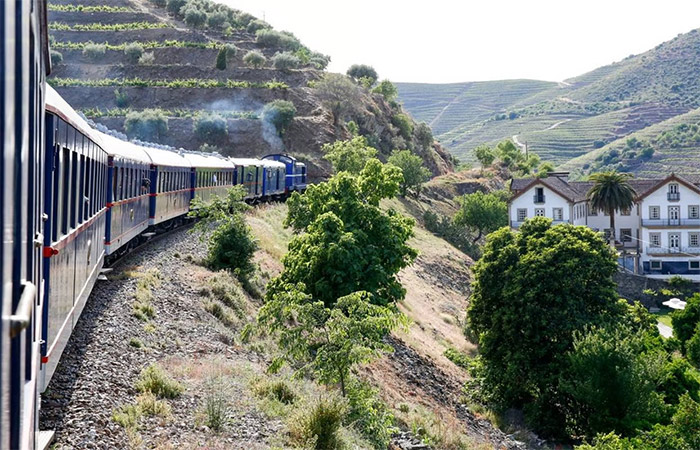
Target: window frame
(654, 262)
(651, 240)
(540, 212)
(518, 215)
(694, 262)
(692, 208)
(653, 208)
(561, 214)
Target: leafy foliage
(124, 26)
(147, 125)
(280, 113)
(173, 83)
(133, 51)
(359, 71)
(94, 51)
(231, 244)
(482, 212)
(285, 61)
(338, 94)
(485, 155)
(255, 59)
(279, 39)
(350, 155)
(221, 59)
(211, 128)
(414, 174)
(686, 320)
(369, 414)
(386, 89)
(404, 124)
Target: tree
(482, 212)
(216, 20)
(414, 174)
(255, 59)
(611, 192)
(485, 155)
(424, 135)
(692, 347)
(404, 124)
(533, 288)
(387, 89)
(338, 94)
(211, 128)
(686, 320)
(281, 39)
(147, 125)
(279, 113)
(221, 59)
(194, 16)
(285, 61)
(335, 300)
(350, 155)
(359, 71)
(231, 51)
(231, 245)
(174, 6)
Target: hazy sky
(443, 41)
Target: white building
(659, 235)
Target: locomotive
(74, 197)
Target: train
(73, 198)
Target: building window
(694, 239)
(654, 212)
(673, 192)
(626, 234)
(522, 214)
(673, 188)
(539, 212)
(655, 239)
(539, 195)
(626, 212)
(655, 265)
(693, 212)
(558, 213)
(694, 265)
(592, 211)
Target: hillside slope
(177, 74)
(567, 120)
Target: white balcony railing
(673, 251)
(670, 222)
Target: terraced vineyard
(590, 111)
(118, 57)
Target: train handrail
(23, 314)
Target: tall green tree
(485, 155)
(611, 192)
(349, 155)
(533, 288)
(414, 174)
(482, 213)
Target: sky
(441, 41)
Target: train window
(122, 178)
(73, 189)
(61, 135)
(89, 186)
(81, 190)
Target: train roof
(272, 163)
(128, 150)
(162, 157)
(207, 160)
(57, 105)
(246, 161)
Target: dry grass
(266, 222)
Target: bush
(231, 51)
(272, 38)
(211, 128)
(158, 383)
(387, 89)
(122, 100)
(319, 60)
(349, 156)
(216, 20)
(94, 51)
(278, 390)
(216, 404)
(279, 113)
(254, 59)
(319, 423)
(56, 58)
(147, 59)
(147, 125)
(370, 414)
(133, 51)
(360, 71)
(195, 17)
(174, 6)
(339, 94)
(692, 347)
(424, 135)
(221, 59)
(685, 320)
(256, 25)
(414, 174)
(285, 61)
(404, 124)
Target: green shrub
(414, 174)
(404, 124)
(221, 59)
(122, 100)
(231, 51)
(370, 414)
(174, 6)
(149, 405)
(319, 60)
(133, 51)
(279, 113)
(318, 424)
(211, 128)
(692, 347)
(56, 57)
(685, 320)
(216, 20)
(386, 89)
(147, 59)
(94, 51)
(158, 383)
(127, 416)
(278, 390)
(254, 59)
(225, 289)
(216, 404)
(278, 39)
(360, 71)
(457, 357)
(195, 17)
(256, 25)
(147, 125)
(285, 61)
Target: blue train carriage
(273, 179)
(128, 197)
(249, 174)
(24, 64)
(210, 175)
(169, 186)
(295, 179)
(75, 213)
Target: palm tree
(611, 192)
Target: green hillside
(562, 121)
